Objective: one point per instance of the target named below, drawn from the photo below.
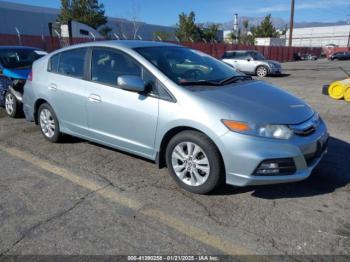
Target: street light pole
(291, 23)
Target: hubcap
(9, 103)
(190, 163)
(261, 71)
(47, 123)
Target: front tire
(12, 106)
(48, 123)
(194, 162)
(262, 71)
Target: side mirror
(131, 83)
(249, 58)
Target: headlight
(276, 131)
(271, 131)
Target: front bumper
(275, 71)
(242, 154)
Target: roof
(128, 44)
(133, 43)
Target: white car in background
(252, 62)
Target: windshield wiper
(234, 79)
(200, 83)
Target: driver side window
(108, 64)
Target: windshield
(18, 58)
(258, 56)
(186, 66)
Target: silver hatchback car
(252, 62)
(179, 107)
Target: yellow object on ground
(337, 89)
(347, 94)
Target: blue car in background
(15, 66)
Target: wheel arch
(259, 65)
(160, 158)
(37, 104)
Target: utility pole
(291, 23)
(348, 45)
(235, 27)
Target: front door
(117, 117)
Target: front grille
(308, 127)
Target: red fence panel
(279, 53)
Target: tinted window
(229, 55)
(107, 65)
(53, 63)
(241, 55)
(18, 58)
(257, 56)
(71, 63)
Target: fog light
(281, 166)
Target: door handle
(53, 86)
(94, 98)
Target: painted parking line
(204, 236)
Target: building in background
(270, 41)
(321, 36)
(35, 20)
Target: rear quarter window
(69, 63)
(53, 63)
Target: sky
(165, 12)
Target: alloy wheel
(9, 103)
(47, 123)
(190, 163)
(261, 71)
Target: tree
(135, 16)
(265, 29)
(187, 29)
(210, 33)
(88, 12)
(246, 25)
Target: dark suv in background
(340, 56)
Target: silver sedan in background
(179, 107)
(252, 62)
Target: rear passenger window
(71, 63)
(229, 55)
(53, 63)
(241, 55)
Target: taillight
(30, 76)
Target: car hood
(256, 102)
(16, 73)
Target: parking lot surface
(81, 198)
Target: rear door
(117, 117)
(230, 58)
(67, 90)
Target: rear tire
(48, 123)
(262, 71)
(194, 162)
(12, 105)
